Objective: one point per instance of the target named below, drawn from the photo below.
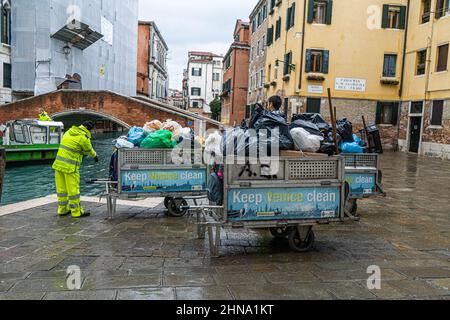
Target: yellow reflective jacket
(75, 144)
(44, 117)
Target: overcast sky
(189, 25)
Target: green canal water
(35, 181)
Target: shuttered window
(394, 17)
(320, 11)
(287, 63)
(442, 60)
(7, 75)
(270, 36)
(290, 17)
(442, 8)
(437, 113)
(387, 113)
(421, 62)
(317, 61)
(278, 29)
(426, 10)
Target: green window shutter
(329, 11)
(384, 22)
(308, 61)
(394, 113)
(286, 64)
(311, 11)
(288, 18)
(326, 61)
(439, 8)
(292, 20)
(402, 21)
(1, 23)
(378, 112)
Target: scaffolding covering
(96, 39)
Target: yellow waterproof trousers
(68, 191)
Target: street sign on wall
(350, 84)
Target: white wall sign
(107, 31)
(349, 84)
(315, 89)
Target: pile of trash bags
(308, 132)
(157, 135)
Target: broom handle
(333, 121)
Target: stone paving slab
(143, 254)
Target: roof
(256, 8)
(79, 34)
(155, 27)
(204, 53)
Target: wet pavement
(142, 254)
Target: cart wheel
(167, 201)
(301, 245)
(175, 205)
(280, 232)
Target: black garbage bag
(315, 118)
(114, 166)
(328, 148)
(266, 120)
(345, 130)
(215, 189)
(308, 126)
(240, 142)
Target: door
(313, 105)
(415, 126)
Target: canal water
(35, 181)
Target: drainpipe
(233, 85)
(402, 77)
(303, 45)
(429, 49)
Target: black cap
(89, 125)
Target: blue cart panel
(362, 184)
(262, 204)
(163, 180)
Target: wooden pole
(369, 142)
(333, 121)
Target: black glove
(96, 159)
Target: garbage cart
(287, 197)
(147, 173)
(364, 178)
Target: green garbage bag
(161, 139)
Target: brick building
(257, 69)
(235, 79)
(152, 72)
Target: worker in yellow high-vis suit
(75, 144)
(43, 115)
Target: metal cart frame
(306, 172)
(148, 160)
(364, 164)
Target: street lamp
(277, 64)
(67, 49)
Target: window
(426, 10)
(394, 17)
(313, 105)
(272, 6)
(387, 113)
(256, 84)
(6, 22)
(7, 75)
(442, 58)
(258, 52)
(320, 11)
(270, 36)
(263, 43)
(265, 12)
(416, 107)
(421, 62)
(195, 104)
(442, 8)
(317, 60)
(227, 62)
(216, 76)
(437, 112)
(259, 18)
(197, 72)
(196, 91)
(290, 17)
(278, 29)
(287, 63)
(390, 65)
(269, 72)
(226, 87)
(261, 77)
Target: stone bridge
(122, 110)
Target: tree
(216, 109)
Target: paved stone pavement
(142, 254)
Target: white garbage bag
(124, 144)
(213, 149)
(304, 141)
